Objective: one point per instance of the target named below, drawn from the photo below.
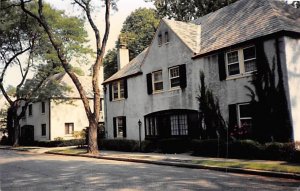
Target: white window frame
(119, 97)
(239, 114)
(72, 129)
(170, 78)
(241, 62)
(119, 135)
(160, 81)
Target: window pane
(120, 126)
(233, 69)
(174, 125)
(121, 89)
(183, 125)
(245, 111)
(157, 76)
(246, 124)
(175, 82)
(158, 86)
(174, 72)
(232, 57)
(250, 66)
(249, 53)
(115, 90)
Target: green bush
(247, 149)
(173, 145)
(279, 151)
(149, 146)
(60, 143)
(119, 145)
(4, 141)
(211, 148)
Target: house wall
(37, 119)
(292, 51)
(230, 91)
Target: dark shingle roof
(132, 68)
(245, 20)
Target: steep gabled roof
(245, 20)
(189, 33)
(132, 68)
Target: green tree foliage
(137, 31)
(183, 10)
(214, 125)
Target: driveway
(32, 171)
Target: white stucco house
(59, 117)
(231, 47)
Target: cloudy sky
(125, 7)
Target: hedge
(59, 143)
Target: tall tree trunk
(16, 131)
(92, 144)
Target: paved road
(29, 171)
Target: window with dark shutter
(125, 88)
(115, 126)
(124, 127)
(182, 74)
(222, 66)
(232, 117)
(149, 83)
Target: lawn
(277, 166)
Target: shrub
(173, 145)
(60, 143)
(279, 151)
(119, 145)
(209, 147)
(149, 146)
(58, 139)
(247, 149)
(4, 140)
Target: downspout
(49, 108)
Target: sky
(125, 7)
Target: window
(159, 40)
(179, 125)
(24, 111)
(118, 90)
(244, 115)
(157, 81)
(241, 61)
(101, 104)
(167, 37)
(43, 129)
(43, 107)
(30, 110)
(69, 128)
(151, 126)
(119, 126)
(174, 77)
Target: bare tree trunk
(92, 144)
(16, 132)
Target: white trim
(239, 114)
(119, 91)
(170, 78)
(154, 82)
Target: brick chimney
(123, 53)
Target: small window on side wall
(157, 81)
(167, 39)
(43, 107)
(30, 110)
(43, 129)
(69, 128)
(159, 40)
(174, 77)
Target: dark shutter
(259, 49)
(124, 127)
(232, 117)
(222, 66)
(115, 126)
(182, 75)
(125, 88)
(149, 83)
(110, 92)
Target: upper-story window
(241, 61)
(30, 110)
(118, 90)
(159, 40)
(174, 76)
(43, 107)
(167, 39)
(157, 81)
(24, 112)
(69, 128)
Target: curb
(194, 166)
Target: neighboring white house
(3, 110)
(59, 117)
(159, 87)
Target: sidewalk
(178, 160)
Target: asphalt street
(30, 171)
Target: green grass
(70, 151)
(277, 166)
